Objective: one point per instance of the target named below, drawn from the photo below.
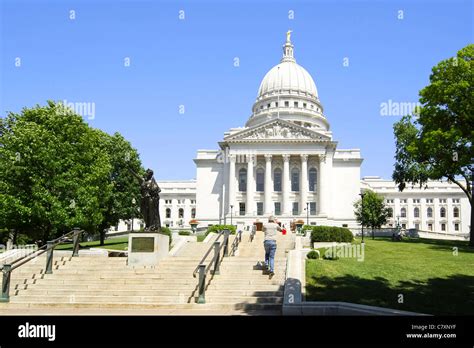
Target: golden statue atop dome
(288, 35)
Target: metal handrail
(203, 269)
(219, 235)
(252, 234)
(49, 248)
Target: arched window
(168, 213)
(181, 213)
(456, 212)
(295, 180)
(403, 212)
(243, 180)
(193, 213)
(429, 212)
(260, 179)
(442, 212)
(390, 212)
(277, 180)
(313, 177)
(416, 212)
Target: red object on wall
(283, 231)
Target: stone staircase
(242, 281)
(105, 284)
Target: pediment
(277, 130)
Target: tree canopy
(372, 212)
(57, 173)
(438, 144)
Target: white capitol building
(285, 162)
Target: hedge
(167, 231)
(217, 228)
(331, 234)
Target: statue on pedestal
(150, 201)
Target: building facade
(286, 162)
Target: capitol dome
(288, 92)
(288, 76)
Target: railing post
(240, 236)
(5, 296)
(75, 248)
(49, 257)
(216, 257)
(226, 242)
(202, 284)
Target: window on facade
(276, 104)
(442, 200)
(181, 213)
(295, 180)
(416, 212)
(268, 106)
(456, 227)
(443, 227)
(390, 212)
(456, 212)
(417, 226)
(295, 104)
(295, 208)
(403, 212)
(241, 208)
(416, 201)
(193, 213)
(455, 200)
(442, 212)
(260, 179)
(259, 208)
(403, 200)
(313, 176)
(304, 105)
(404, 226)
(429, 200)
(277, 180)
(430, 227)
(168, 213)
(277, 208)
(429, 212)
(312, 208)
(243, 180)
(287, 104)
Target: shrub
(217, 228)
(313, 254)
(184, 233)
(167, 231)
(331, 234)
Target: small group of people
(270, 230)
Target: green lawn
(113, 243)
(201, 237)
(426, 272)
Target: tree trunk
(373, 233)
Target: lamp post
(231, 207)
(362, 214)
(133, 211)
(307, 213)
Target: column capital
(304, 157)
(268, 158)
(286, 158)
(250, 158)
(322, 158)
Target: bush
(330, 257)
(167, 231)
(306, 228)
(331, 234)
(313, 255)
(184, 233)
(217, 228)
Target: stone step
(242, 299)
(144, 306)
(71, 298)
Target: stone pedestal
(147, 248)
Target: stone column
(304, 187)
(268, 185)
(231, 189)
(250, 205)
(285, 182)
(324, 183)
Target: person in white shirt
(270, 230)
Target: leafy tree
(438, 144)
(372, 213)
(57, 173)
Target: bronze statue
(150, 201)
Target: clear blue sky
(190, 62)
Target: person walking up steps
(270, 230)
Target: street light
(133, 211)
(362, 214)
(307, 213)
(231, 207)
